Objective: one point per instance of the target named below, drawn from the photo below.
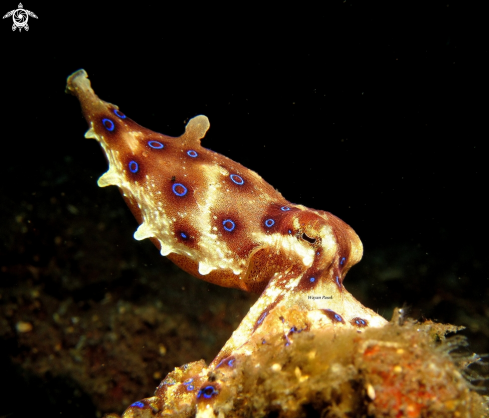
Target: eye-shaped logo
(20, 17)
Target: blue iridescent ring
(183, 235)
(208, 392)
(133, 166)
(237, 179)
(119, 114)
(262, 317)
(269, 223)
(155, 144)
(228, 222)
(284, 208)
(179, 193)
(312, 279)
(192, 153)
(138, 404)
(109, 125)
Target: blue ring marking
(288, 341)
(284, 208)
(312, 279)
(119, 114)
(338, 281)
(262, 317)
(184, 236)
(239, 181)
(133, 167)
(263, 341)
(208, 392)
(192, 153)
(168, 381)
(230, 228)
(190, 387)
(109, 125)
(338, 318)
(290, 231)
(188, 381)
(269, 223)
(175, 189)
(360, 321)
(138, 404)
(342, 261)
(155, 144)
(230, 362)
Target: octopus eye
(308, 239)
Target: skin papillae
(222, 223)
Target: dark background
(373, 112)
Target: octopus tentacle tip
(196, 129)
(79, 79)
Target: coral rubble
(392, 371)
